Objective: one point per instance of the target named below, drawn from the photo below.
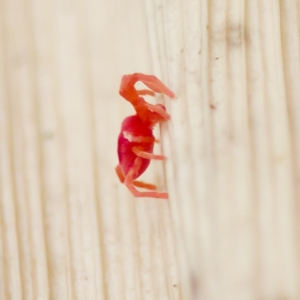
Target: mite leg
(141, 184)
(145, 92)
(130, 184)
(153, 83)
(128, 91)
(147, 155)
(159, 110)
(120, 173)
(144, 185)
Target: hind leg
(137, 183)
(131, 183)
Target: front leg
(153, 83)
(128, 91)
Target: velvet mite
(136, 139)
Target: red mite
(136, 139)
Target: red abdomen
(133, 127)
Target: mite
(136, 139)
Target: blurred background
(68, 228)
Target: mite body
(136, 139)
